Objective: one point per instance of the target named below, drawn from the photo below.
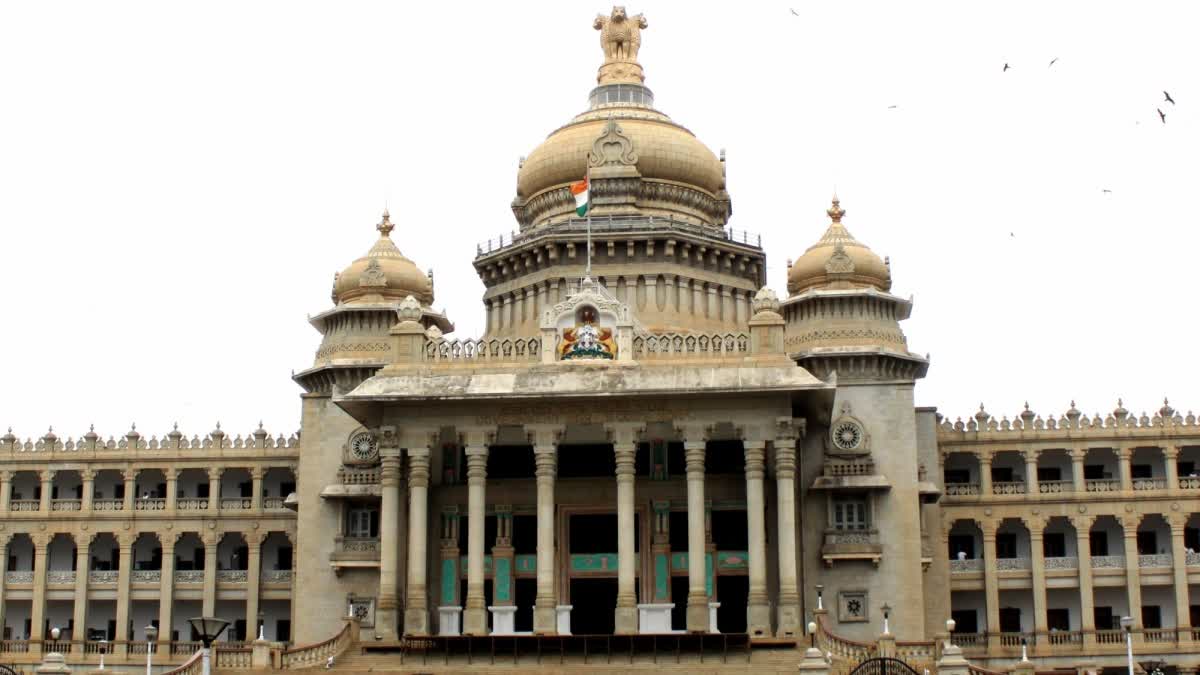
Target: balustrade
(272, 503)
(192, 504)
(1062, 563)
(1108, 561)
(60, 577)
(276, 576)
(1149, 483)
(1189, 483)
(1156, 560)
(103, 576)
(966, 565)
(1003, 564)
(1110, 637)
(149, 504)
(1103, 485)
(145, 576)
(347, 476)
(108, 504)
(189, 576)
(236, 503)
(232, 576)
(962, 489)
(1065, 637)
(1015, 639)
(1192, 558)
(19, 577)
(25, 505)
(1054, 487)
(66, 504)
(1009, 488)
(1158, 635)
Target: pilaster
(214, 492)
(475, 612)
(209, 598)
(789, 619)
(694, 446)
(253, 581)
(545, 454)
(125, 541)
(1083, 547)
(416, 607)
(386, 611)
(166, 588)
(1183, 618)
(1171, 460)
(985, 474)
(83, 542)
(37, 613)
(758, 611)
(1133, 574)
(1037, 527)
(991, 587)
(1031, 466)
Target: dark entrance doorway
(525, 597)
(593, 603)
(733, 593)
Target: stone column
(1087, 602)
(1031, 466)
(625, 447)
(1171, 460)
(416, 606)
(789, 621)
(386, 618)
(214, 492)
(1183, 616)
(166, 586)
(253, 581)
(256, 490)
(88, 477)
(475, 613)
(209, 598)
(1133, 574)
(1124, 455)
(125, 540)
(697, 600)
(172, 476)
(5, 490)
(545, 453)
(47, 478)
(130, 478)
(991, 587)
(1077, 480)
(449, 602)
(1037, 551)
(985, 473)
(5, 537)
(503, 608)
(83, 543)
(758, 610)
(37, 612)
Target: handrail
(313, 654)
(192, 666)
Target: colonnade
(624, 437)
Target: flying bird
(1052, 61)
(1106, 190)
(1162, 115)
(1006, 66)
(892, 107)
(793, 12)
(1168, 98)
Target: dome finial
(385, 226)
(836, 211)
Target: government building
(646, 441)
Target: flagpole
(587, 177)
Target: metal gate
(883, 666)
(5, 670)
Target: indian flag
(580, 190)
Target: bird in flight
(1052, 61)
(892, 107)
(1168, 98)
(1006, 67)
(1107, 191)
(1162, 115)
(793, 12)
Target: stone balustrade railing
(276, 576)
(103, 576)
(66, 504)
(236, 503)
(962, 489)
(1189, 483)
(272, 503)
(19, 577)
(864, 466)
(1008, 488)
(1149, 483)
(232, 658)
(359, 545)
(149, 504)
(1009, 564)
(1192, 558)
(174, 440)
(232, 576)
(191, 504)
(145, 576)
(108, 504)
(318, 653)
(1108, 562)
(1061, 563)
(1155, 560)
(682, 345)
(1053, 487)
(348, 476)
(60, 576)
(189, 576)
(966, 565)
(497, 350)
(24, 505)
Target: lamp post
(208, 628)
(820, 590)
(103, 649)
(262, 625)
(950, 626)
(55, 633)
(151, 636)
(812, 634)
(887, 610)
(1127, 624)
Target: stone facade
(645, 440)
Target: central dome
(641, 163)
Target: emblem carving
(373, 275)
(620, 34)
(613, 147)
(587, 340)
(839, 262)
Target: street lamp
(55, 633)
(820, 588)
(812, 634)
(950, 626)
(262, 625)
(151, 636)
(103, 649)
(886, 611)
(1127, 624)
(208, 628)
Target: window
(1147, 542)
(1098, 540)
(1141, 471)
(1049, 473)
(957, 475)
(1058, 619)
(962, 543)
(1010, 619)
(850, 513)
(1191, 539)
(1151, 616)
(965, 621)
(1002, 474)
(362, 523)
(1187, 469)
(1006, 545)
(1105, 620)
(1054, 545)
(1094, 472)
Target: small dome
(838, 260)
(383, 274)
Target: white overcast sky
(180, 181)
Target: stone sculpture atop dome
(621, 38)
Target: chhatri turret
(658, 213)
(841, 316)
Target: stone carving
(373, 276)
(839, 262)
(765, 300)
(612, 147)
(620, 34)
(587, 340)
(410, 309)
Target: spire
(836, 211)
(385, 226)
